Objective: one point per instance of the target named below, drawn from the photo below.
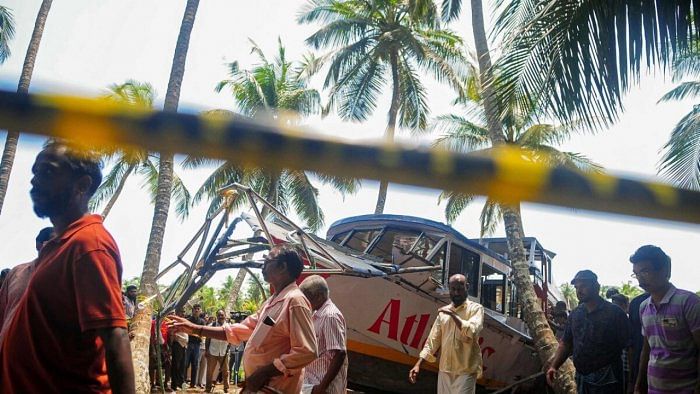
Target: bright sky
(90, 45)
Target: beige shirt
(280, 333)
(460, 353)
(12, 290)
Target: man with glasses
(595, 335)
(280, 335)
(670, 325)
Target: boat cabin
(406, 241)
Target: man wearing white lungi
(455, 333)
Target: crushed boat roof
(414, 222)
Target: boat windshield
(394, 246)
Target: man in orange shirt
(68, 333)
(280, 336)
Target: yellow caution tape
(507, 174)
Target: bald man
(455, 333)
(328, 373)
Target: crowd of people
(650, 344)
(64, 319)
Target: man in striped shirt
(670, 317)
(328, 373)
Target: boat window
(338, 238)
(493, 288)
(465, 262)
(438, 260)
(397, 246)
(513, 301)
(360, 239)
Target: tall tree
(142, 319)
(469, 133)
(274, 90)
(128, 161)
(376, 41)
(7, 32)
(495, 111)
(569, 293)
(681, 158)
(8, 154)
(579, 57)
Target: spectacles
(644, 273)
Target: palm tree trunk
(117, 192)
(390, 127)
(545, 342)
(8, 153)
(235, 290)
(142, 319)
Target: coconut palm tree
(496, 110)
(469, 133)
(681, 158)
(164, 186)
(129, 161)
(578, 57)
(8, 153)
(372, 42)
(7, 32)
(630, 290)
(274, 90)
(569, 293)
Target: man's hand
(413, 374)
(177, 323)
(317, 389)
(550, 375)
(256, 381)
(453, 315)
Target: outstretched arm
(120, 368)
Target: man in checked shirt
(328, 373)
(455, 333)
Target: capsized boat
(388, 275)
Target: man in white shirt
(328, 373)
(455, 334)
(217, 355)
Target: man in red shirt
(68, 333)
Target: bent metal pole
(507, 174)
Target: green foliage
(7, 32)
(372, 42)
(274, 90)
(468, 133)
(136, 281)
(141, 96)
(680, 162)
(578, 57)
(569, 293)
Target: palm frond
(680, 162)
(304, 198)
(7, 32)
(579, 57)
(451, 9)
(413, 111)
(181, 197)
(687, 64)
(343, 185)
(573, 160)
(690, 89)
(490, 217)
(456, 203)
(109, 185)
(459, 134)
